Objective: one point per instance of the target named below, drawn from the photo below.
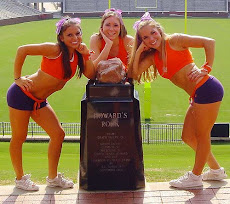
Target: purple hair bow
(60, 23)
(145, 17)
(117, 11)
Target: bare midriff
(44, 84)
(181, 79)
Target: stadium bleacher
(14, 9)
(13, 12)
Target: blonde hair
(151, 73)
(123, 31)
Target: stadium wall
(132, 8)
(135, 8)
(156, 14)
(39, 1)
(23, 19)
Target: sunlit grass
(168, 103)
(161, 162)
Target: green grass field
(169, 103)
(161, 162)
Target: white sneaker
(26, 184)
(214, 174)
(187, 181)
(59, 181)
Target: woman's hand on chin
(83, 49)
(106, 39)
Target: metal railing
(151, 133)
(161, 133)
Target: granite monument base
(111, 156)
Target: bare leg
(48, 120)
(198, 123)
(19, 123)
(189, 137)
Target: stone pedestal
(111, 156)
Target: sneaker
(187, 181)
(214, 174)
(59, 181)
(26, 184)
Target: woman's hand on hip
(25, 83)
(196, 73)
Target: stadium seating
(14, 9)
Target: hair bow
(145, 17)
(117, 11)
(60, 23)
(114, 10)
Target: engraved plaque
(111, 148)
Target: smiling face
(72, 36)
(151, 36)
(111, 27)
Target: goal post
(185, 16)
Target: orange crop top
(122, 53)
(53, 66)
(176, 60)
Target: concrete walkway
(217, 192)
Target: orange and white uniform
(122, 54)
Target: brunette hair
(65, 52)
